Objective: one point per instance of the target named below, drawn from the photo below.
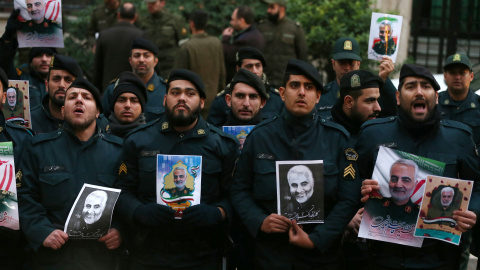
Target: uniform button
(181, 135)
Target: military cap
(249, 53)
(66, 63)
(346, 48)
(83, 83)
(359, 79)
(411, 70)
(37, 51)
(142, 43)
(187, 75)
(250, 78)
(3, 79)
(299, 67)
(280, 2)
(128, 82)
(458, 58)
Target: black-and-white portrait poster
(91, 214)
(300, 190)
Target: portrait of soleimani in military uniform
(444, 200)
(179, 182)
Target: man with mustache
(143, 59)
(459, 103)
(180, 181)
(299, 133)
(55, 167)
(358, 102)
(418, 129)
(48, 116)
(200, 231)
(442, 203)
(127, 111)
(386, 45)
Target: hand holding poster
(40, 23)
(391, 214)
(442, 196)
(300, 190)
(91, 214)
(179, 181)
(385, 31)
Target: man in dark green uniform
(129, 102)
(284, 40)
(358, 102)
(253, 60)
(48, 116)
(165, 30)
(143, 59)
(54, 168)
(297, 134)
(12, 251)
(418, 129)
(103, 17)
(346, 58)
(459, 103)
(159, 240)
(386, 45)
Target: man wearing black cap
(418, 129)
(245, 99)
(346, 58)
(130, 97)
(143, 59)
(250, 59)
(12, 251)
(54, 168)
(284, 40)
(297, 134)
(459, 103)
(48, 116)
(358, 102)
(160, 240)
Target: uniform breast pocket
(168, 32)
(212, 169)
(330, 179)
(288, 38)
(268, 36)
(450, 163)
(56, 188)
(264, 182)
(146, 175)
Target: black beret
(249, 53)
(4, 79)
(66, 63)
(250, 78)
(358, 80)
(36, 51)
(187, 75)
(411, 70)
(458, 58)
(299, 67)
(83, 83)
(142, 43)
(129, 83)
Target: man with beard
(130, 97)
(418, 129)
(252, 60)
(386, 45)
(241, 33)
(442, 205)
(346, 58)
(358, 102)
(12, 251)
(55, 166)
(143, 59)
(92, 223)
(297, 134)
(157, 234)
(48, 116)
(180, 180)
(284, 40)
(14, 107)
(38, 23)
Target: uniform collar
(200, 35)
(470, 102)
(305, 121)
(201, 129)
(72, 134)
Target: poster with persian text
(8, 188)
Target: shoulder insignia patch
(446, 102)
(351, 154)
(165, 125)
(122, 169)
(201, 131)
(386, 203)
(472, 105)
(349, 171)
(150, 87)
(184, 31)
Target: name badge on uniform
(266, 156)
(54, 168)
(149, 153)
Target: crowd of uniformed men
(111, 137)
